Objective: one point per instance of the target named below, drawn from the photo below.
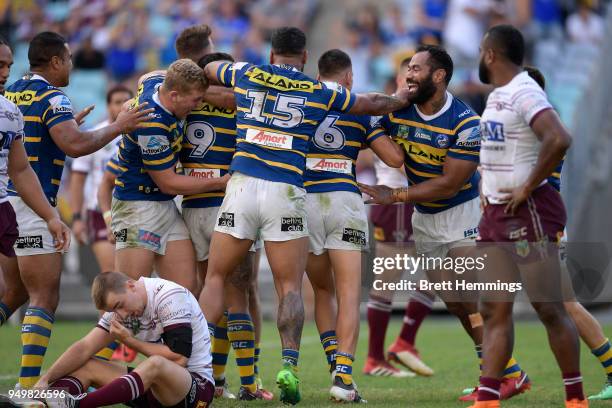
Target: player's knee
(550, 314)
(154, 364)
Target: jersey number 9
(201, 136)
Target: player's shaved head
(507, 41)
(334, 62)
(44, 46)
(105, 283)
(194, 42)
(536, 75)
(215, 56)
(288, 41)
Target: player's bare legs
(288, 262)
(168, 381)
(135, 262)
(347, 273)
(562, 333)
(178, 264)
(320, 275)
(14, 294)
(318, 269)
(40, 275)
(105, 255)
(226, 253)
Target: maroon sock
(70, 384)
(120, 390)
(379, 313)
(488, 390)
(416, 312)
(573, 386)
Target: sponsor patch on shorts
(292, 224)
(30, 242)
(226, 219)
(354, 236)
(121, 235)
(149, 238)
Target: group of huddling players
(264, 156)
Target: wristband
(107, 217)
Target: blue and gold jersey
(208, 148)
(278, 110)
(333, 151)
(427, 140)
(43, 106)
(153, 147)
(555, 178)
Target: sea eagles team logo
(442, 141)
(522, 248)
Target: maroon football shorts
(8, 229)
(96, 227)
(392, 223)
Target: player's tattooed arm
(75, 142)
(375, 103)
(220, 96)
(290, 320)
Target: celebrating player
(160, 319)
(441, 137)
(207, 153)
(52, 131)
(337, 222)
(89, 169)
(278, 109)
(392, 229)
(523, 143)
(148, 229)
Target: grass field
(442, 343)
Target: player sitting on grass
(159, 319)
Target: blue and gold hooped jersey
(278, 110)
(333, 151)
(427, 140)
(43, 106)
(208, 148)
(555, 178)
(155, 146)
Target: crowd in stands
(378, 38)
(125, 38)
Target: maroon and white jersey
(510, 148)
(170, 305)
(11, 129)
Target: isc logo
(493, 131)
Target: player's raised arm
(76, 356)
(75, 142)
(375, 103)
(217, 95)
(214, 74)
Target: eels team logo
(442, 141)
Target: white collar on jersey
(157, 101)
(37, 77)
(447, 105)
